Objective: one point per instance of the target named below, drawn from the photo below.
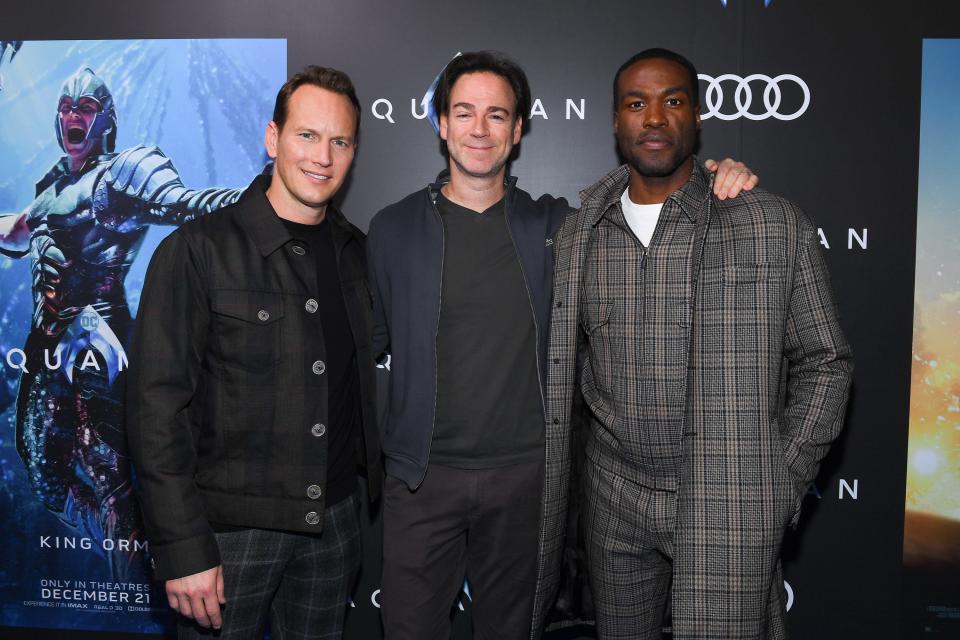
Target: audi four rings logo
(717, 105)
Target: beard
(655, 165)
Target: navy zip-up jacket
(405, 246)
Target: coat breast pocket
(247, 328)
(753, 301)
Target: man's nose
(654, 117)
(480, 127)
(322, 156)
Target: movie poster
(105, 147)
(932, 524)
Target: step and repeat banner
(856, 124)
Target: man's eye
(674, 102)
(306, 135)
(636, 104)
(343, 144)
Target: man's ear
(443, 126)
(271, 138)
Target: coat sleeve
(171, 335)
(819, 368)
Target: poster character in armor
(82, 232)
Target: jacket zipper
(436, 336)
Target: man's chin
(649, 169)
(479, 171)
(79, 151)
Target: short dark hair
(659, 54)
(322, 77)
(484, 62)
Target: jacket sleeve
(170, 340)
(819, 367)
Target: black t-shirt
(343, 387)
(489, 409)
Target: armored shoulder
(142, 172)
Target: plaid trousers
(629, 533)
(301, 581)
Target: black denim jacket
(227, 404)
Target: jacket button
(556, 361)
(311, 306)
(297, 249)
(263, 315)
(556, 421)
(318, 430)
(559, 303)
(319, 367)
(314, 491)
(312, 518)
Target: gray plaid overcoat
(767, 385)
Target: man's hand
(199, 596)
(732, 178)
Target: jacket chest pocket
(247, 328)
(595, 318)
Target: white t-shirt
(642, 218)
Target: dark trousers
(478, 523)
(629, 531)
(302, 581)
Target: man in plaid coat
(704, 339)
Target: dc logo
(715, 99)
(789, 590)
(89, 321)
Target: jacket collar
(433, 189)
(606, 192)
(265, 227)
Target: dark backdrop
(850, 160)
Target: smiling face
(75, 120)
(312, 153)
(481, 126)
(655, 121)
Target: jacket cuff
(184, 557)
